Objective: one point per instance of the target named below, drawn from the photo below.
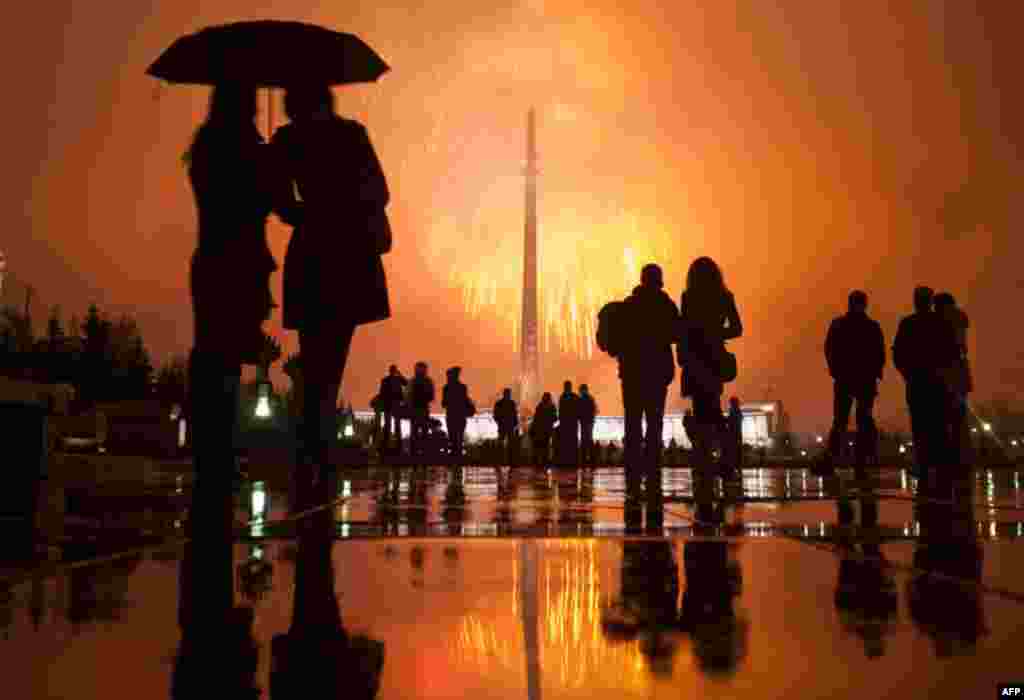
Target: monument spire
(529, 379)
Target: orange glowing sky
(809, 147)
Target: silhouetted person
(713, 580)
(458, 407)
(709, 319)
(236, 183)
(568, 427)
(588, 414)
(541, 428)
(392, 392)
(733, 448)
(421, 395)
(924, 345)
(855, 352)
(333, 275)
(646, 370)
(506, 415)
(957, 377)
(236, 186)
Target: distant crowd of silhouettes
(570, 424)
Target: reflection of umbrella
(268, 53)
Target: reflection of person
(855, 352)
(317, 652)
(647, 611)
(709, 318)
(333, 274)
(713, 580)
(865, 594)
(943, 602)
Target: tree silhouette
(53, 360)
(54, 330)
(16, 343)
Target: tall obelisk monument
(529, 378)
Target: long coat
(333, 274)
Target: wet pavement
(528, 583)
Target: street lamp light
(263, 402)
(987, 427)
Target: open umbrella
(268, 53)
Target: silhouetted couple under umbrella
(334, 278)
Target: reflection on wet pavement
(520, 583)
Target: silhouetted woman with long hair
(333, 274)
(541, 428)
(709, 318)
(236, 186)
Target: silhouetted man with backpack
(855, 352)
(640, 332)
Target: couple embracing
(333, 273)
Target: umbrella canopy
(268, 53)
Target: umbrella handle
(270, 113)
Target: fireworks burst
(584, 262)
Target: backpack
(609, 330)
